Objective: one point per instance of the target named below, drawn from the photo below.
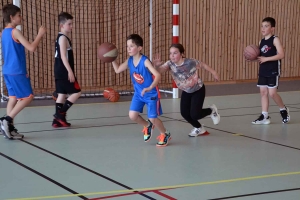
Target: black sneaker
(285, 115)
(163, 139)
(148, 131)
(14, 132)
(56, 124)
(262, 120)
(61, 118)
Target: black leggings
(191, 107)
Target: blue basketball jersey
(13, 54)
(141, 77)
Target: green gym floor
(103, 155)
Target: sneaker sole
(62, 123)
(261, 123)
(56, 126)
(203, 134)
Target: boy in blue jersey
(14, 68)
(146, 92)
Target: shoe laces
(145, 130)
(11, 128)
(260, 118)
(196, 130)
(161, 137)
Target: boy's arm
(280, 52)
(208, 68)
(156, 75)
(63, 43)
(119, 68)
(29, 46)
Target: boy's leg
(63, 87)
(20, 106)
(263, 88)
(284, 111)
(153, 110)
(11, 104)
(20, 89)
(59, 102)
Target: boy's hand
(42, 31)
(156, 60)
(146, 90)
(71, 76)
(262, 59)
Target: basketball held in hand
(107, 52)
(251, 52)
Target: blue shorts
(153, 105)
(18, 86)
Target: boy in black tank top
(271, 53)
(65, 80)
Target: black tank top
(267, 49)
(60, 71)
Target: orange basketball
(107, 52)
(251, 52)
(113, 96)
(106, 92)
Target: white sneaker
(198, 131)
(5, 130)
(262, 120)
(15, 134)
(214, 114)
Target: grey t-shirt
(186, 75)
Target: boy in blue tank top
(145, 90)
(14, 68)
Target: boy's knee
(133, 116)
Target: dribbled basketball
(107, 91)
(113, 96)
(107, 52)
(251, 52)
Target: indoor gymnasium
(150, 99)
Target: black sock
(66, 106)
(9, 119)
(58, 107)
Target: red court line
(164, 195)
(140, 192)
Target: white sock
(281, 109)
(265, 114)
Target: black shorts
(63, 86)
(270, 82)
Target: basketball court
(103, 155)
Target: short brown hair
(9, 10)
(63, 17)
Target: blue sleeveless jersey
(141, 77)
(13, 54)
